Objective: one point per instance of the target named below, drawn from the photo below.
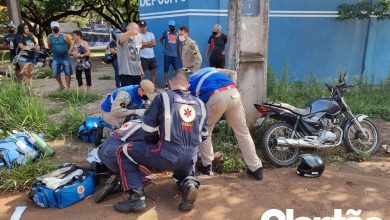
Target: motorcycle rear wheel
(277, 155)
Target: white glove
(139, 112)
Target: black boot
(111, 186)
(206, 170)
(136, 202)
(99, 135)
(189, 191)
(258, 174)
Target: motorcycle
(43, 57)
(320, 124)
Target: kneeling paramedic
(217, 88)
(126, 101)
(174, 126)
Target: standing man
(216, 47)
(129, 62)
(217, 88)
(173, 127)
(113, 49)
(9, 42)
(148, 59)
(190, 55)
(60, 44)
(170, 43)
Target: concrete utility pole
(247, 52)
(14, 11)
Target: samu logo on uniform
(275, 214)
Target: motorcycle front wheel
(278, 156)
(355, 141)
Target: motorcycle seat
(300, 111)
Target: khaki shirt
(190, 55)
(118, 107)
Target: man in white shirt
(148, 58)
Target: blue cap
(171, 23)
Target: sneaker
(135, 203)
(110, 187)
(189, 195)
(258, 174)
(206, 170)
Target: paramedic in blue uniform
(173, 126)
(217, 88)
(126, 101)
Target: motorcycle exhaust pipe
(304, 143)
(300, 143)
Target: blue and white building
(305, 36)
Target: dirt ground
(360, 186)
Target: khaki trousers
(229, 103)
(113, 121)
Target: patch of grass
(21, 177)
(54, 110)
(75, 97)
(335, 159)
(19, 109)
(70, 124)
(224, 141)
(44, 73)
(105, 77)
(4, 55)
(359, 157)
(365, 97)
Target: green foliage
(365, 9)
(359, 157)
(4, 55)
(364, 98)
(21, 177)
(44, 73)
(224, 141)
(54, 110)
(74, 97)
(70, 123)
(19, 110)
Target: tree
(117, 12)
(38, 14)
(365, 9)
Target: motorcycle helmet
(310, 166)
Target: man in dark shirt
(9, 42)
(216, 47)
(113, 49)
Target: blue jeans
(116, 70)
(60, 64)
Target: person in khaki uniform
(217, 88)
(126, 101)
(190, 54)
